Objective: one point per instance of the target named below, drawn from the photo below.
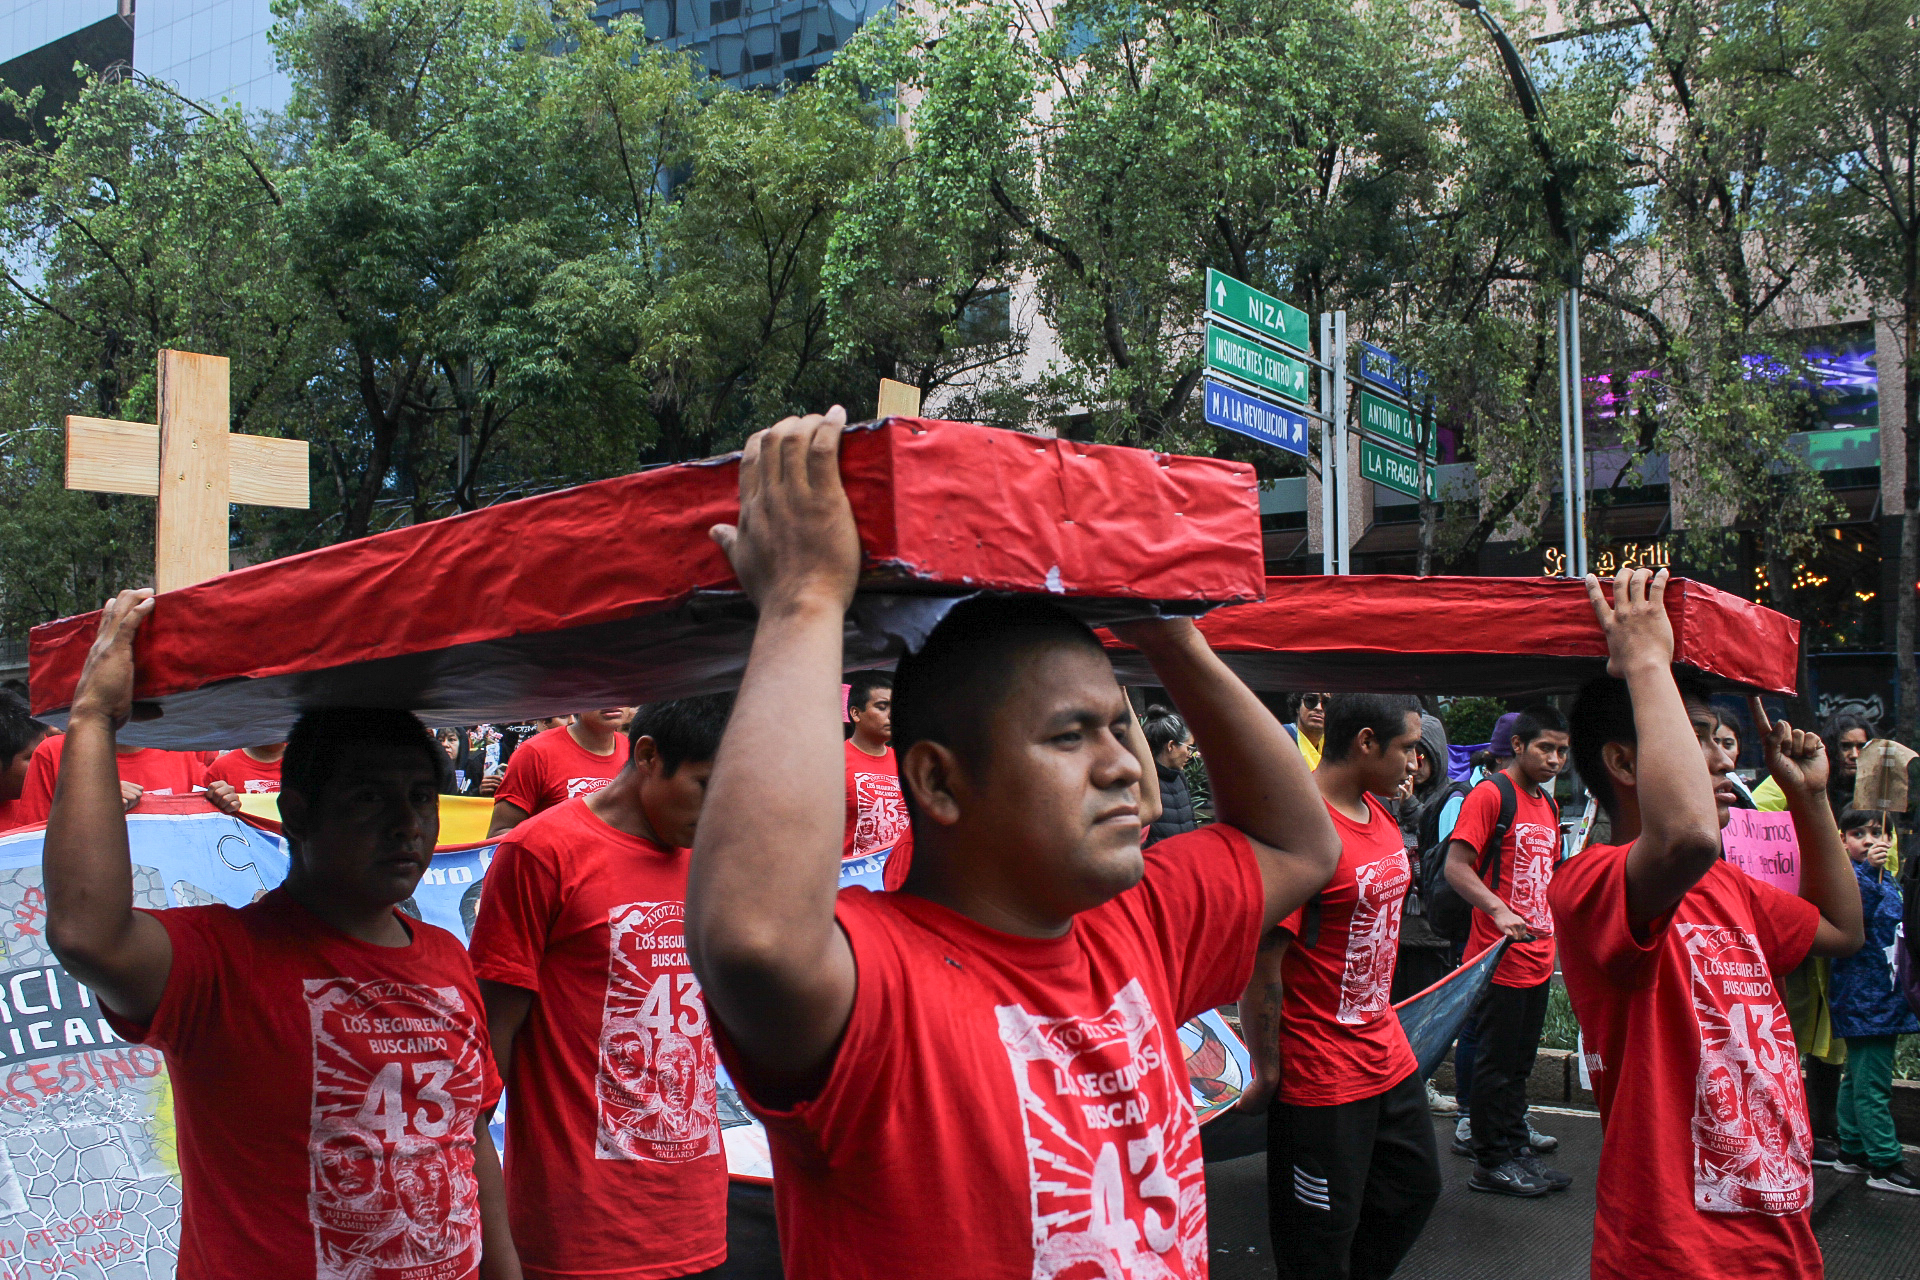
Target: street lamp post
(1573, 459)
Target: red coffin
(1496, 636)
(613, 593)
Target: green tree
(1852, 107)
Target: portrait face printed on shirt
(368, 836)
(1048, 793)
(670, 801)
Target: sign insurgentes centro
(1242, 304)
(1394, 470)
(1242, 358)
(1237, 411)
(1391, 421)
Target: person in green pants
(1871, 1014)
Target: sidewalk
(1866, 1235)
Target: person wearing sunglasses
(1309, 725)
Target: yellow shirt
(1308, 751)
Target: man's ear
(931, 772)
(1619, 757)
(295, 815)
(646, 757)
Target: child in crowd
(1871, 1014)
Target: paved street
(1867, 1235)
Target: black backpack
(1448, 912)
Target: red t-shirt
(164, 773)
(1028, 1094)
(245, 774)
(1340, 1039)
(1526, 859)
(325, 1094)
(1705, 1162)
(550, 767)
(876, 814)
(615, 1167)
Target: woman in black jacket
(1172, 746)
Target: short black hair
(322, 738)
(1603, 713)
(860, 688)
(1348, 713)
(946, 692)
(1536, 720)
(685, 730)
(19, 731)
(1163, 727)
(1854, 819)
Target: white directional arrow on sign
(1219, 295)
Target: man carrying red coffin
(329, 1055)
(1673, 959)
(1030, 977)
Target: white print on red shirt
(1114, 1173)
(1373, 937)
(1536, 850)
(260, 786)
(880, 813)
(655, 1087)
(397, 1083)
(585, 786)
(1751, 1140)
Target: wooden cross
(192, 463)
(898, 400)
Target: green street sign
(1247, 360)
(1262, 312)
(1390, 421)
(1394, 470)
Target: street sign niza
(1237, 411)
(1388, 420)
(1394, 470)
(1247, 360)
(1262, 312)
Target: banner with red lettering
(89, 1184)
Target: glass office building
(751, 43)
(211, 50)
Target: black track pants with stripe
(1349, 1187)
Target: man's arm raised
(122, 954)
(1679, 837)
(1797, 761)
(1261, 785)
(776, 970)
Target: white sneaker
(1463, 1132)
(1439, 1103)
(1894, 1178)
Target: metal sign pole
(1329, 477)
(1567, 482)
(1344, 517)
(1579, 432)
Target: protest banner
(1762, 843)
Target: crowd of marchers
(975, 1070)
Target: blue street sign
(1269, 423)
(1379, 367)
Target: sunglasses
(1312, 701)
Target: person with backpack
(1500, 861)
(1426, 956)
(1172, 746)
(1352, 1172)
